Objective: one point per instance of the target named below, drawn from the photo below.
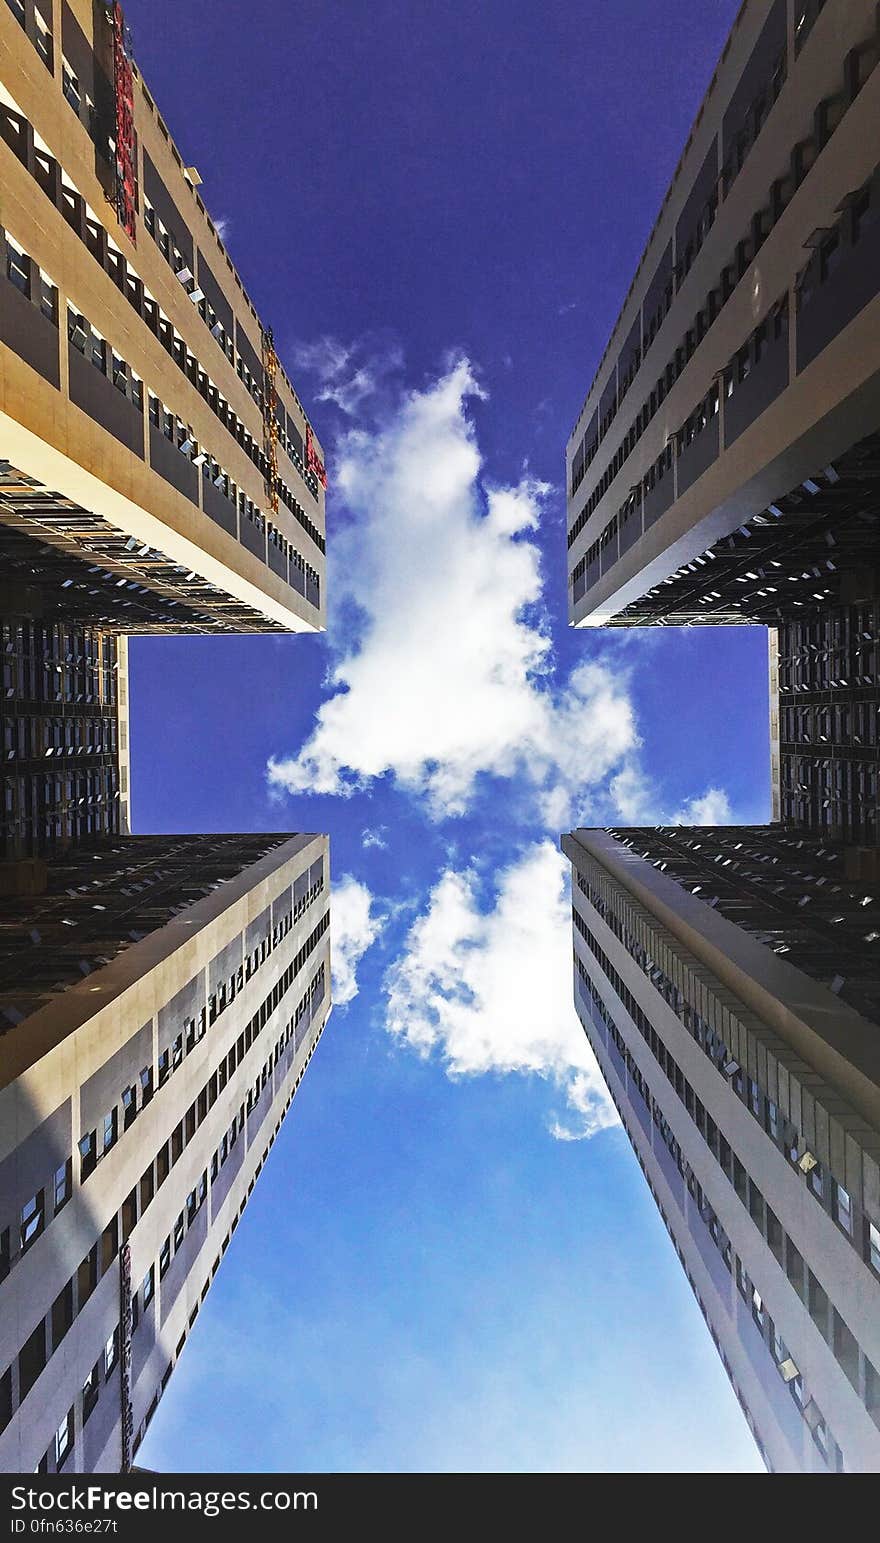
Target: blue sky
(451, 1261)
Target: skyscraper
(160, 996)
(160, 999)
(724, 471)
(724, 466)
(157, 469)
(724, 980)
(744, 369)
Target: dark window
(62, 1314)
(87, 1277)
(5, 1398)
(91, 1389)
(31, 1360)
(18, 266)
(109, 1244)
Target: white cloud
(449, 674)
(491, 991)
(375, 838)
(638, 802)
(709, 808)
(355, 928)
(349, 375)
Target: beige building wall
(47, 436)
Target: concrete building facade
(157, 469)
(64, 728)
(725, 470)
(733, 418)
(737, 1030)
(160, 999)
(725, 466)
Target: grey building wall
(786, 1270)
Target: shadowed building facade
(160, 999)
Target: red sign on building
(313, 460)
(126, 139)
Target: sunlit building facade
(724, 983)
(160, 1000)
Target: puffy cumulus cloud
(709, 808)
(638, 802)
(355, 928)
(490, 991)
(448, 675)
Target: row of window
(102, 1371)
(828, 116)
(862, 1232)
(181, 435)
(89, 342)
(85, 110)
(142, 1429)
(39, 811)
(30, 279)
(226, 991)
(65, 195)
(831, 649)
(839, 800)
(30, 737)
(852, 723)
(801, 1277)
(826, 1317)
(784, 1364)
(95, 348)
(96, 1143)
(861, 212)
(176, 261)
(623, 1113)
(44, 662)
(771, 330)
(93, 1147)
(41, 1345)
(41, 37)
